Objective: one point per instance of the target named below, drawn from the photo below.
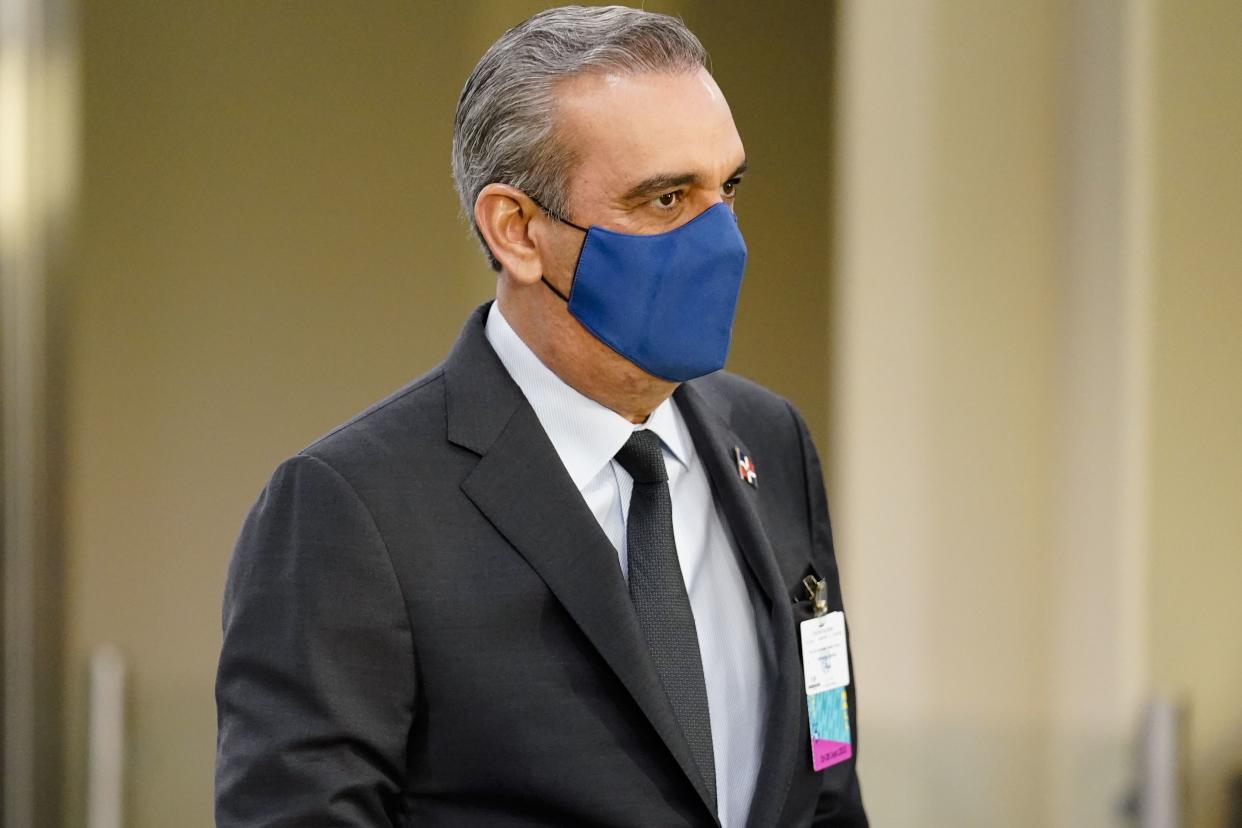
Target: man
(561, 579)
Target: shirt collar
(667, 423)
(585, 434)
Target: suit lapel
(523, 489)
(716, 442)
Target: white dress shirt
(736, 654)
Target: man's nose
(711, 199)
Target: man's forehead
(623, 129)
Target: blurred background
(996, 260)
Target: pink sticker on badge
(825, 754)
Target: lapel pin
(746, 467)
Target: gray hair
(504, 130)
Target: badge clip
(817, 589)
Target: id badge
(826, 668)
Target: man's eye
(668, 199)
(730, 187)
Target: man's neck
(583, 362)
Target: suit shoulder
(742, 396)
(413, 411)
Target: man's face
(652, 152)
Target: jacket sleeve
(840, 799)
(315, 688)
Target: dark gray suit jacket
(425, 625)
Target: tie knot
(642, 457)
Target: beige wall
(1038, 400)
(1196, 455)
(268, 242)
(945, 346)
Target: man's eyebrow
(663, 182)
(656, 184)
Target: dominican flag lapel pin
(746, 467)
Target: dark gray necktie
(660, 600)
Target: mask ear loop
(555, 217)
(552, 288)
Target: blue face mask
(664, 302)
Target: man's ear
(503, 214)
